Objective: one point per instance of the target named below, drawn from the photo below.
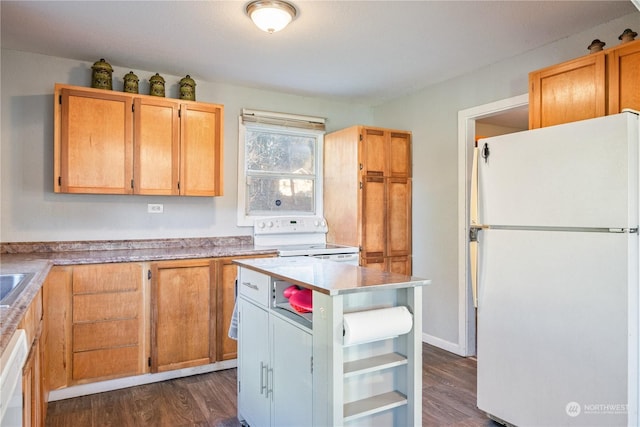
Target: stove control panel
(290, 225)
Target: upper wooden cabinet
(108, 142)
(200, 160)
(93, 142)
(157, 148)
(367, 194)
(590, 86)
(624, 77)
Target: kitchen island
(354, 359)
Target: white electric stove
(301, 236)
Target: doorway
(497, 118)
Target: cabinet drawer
(105, 363)
(106, 278)
(254, 286)
(94, 307)
(93, 336)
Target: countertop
(40, 257)
(329, 277)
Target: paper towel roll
(373, 325)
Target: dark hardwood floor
(449, 399)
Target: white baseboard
(119, 383)
(443, 344)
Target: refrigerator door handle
(473, 230)
(485, 152)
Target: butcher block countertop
(40, 257)
(329, 277)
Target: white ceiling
(359, 51)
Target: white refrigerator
(557, 340)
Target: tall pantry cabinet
(367, 194)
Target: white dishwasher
(12, 362)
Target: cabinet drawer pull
(263, 386)
(269, 382)
(250, 285)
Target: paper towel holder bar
(375, 325)
(408, 309)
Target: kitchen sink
(11, 285)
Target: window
(280, 165)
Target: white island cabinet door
(253, 365)
(292, 379)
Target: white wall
(431, 114)
(30, 210)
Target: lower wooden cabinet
(107, 321)
(34, 403)
(226, 272)
(183, 302)
(57, 342)
(96, 325)
(33, 390)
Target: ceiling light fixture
(271, 15)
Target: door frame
(466, 142)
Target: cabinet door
(201, 150)
(374, 231)
(379, 263)
(399, 154)
(342, 185)
(398, 216)
(400, 265)
(568, 92)
(374, 152)
(157, 146)
(32, 410)
(226, 288)
(292, 378)
(183, 324)
(624, 77)
(58, 312)
(254, 398)
(95, 151)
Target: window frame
(243, 217)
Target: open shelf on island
(284, 308)
(373, 405)
(372, 364)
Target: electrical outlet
(155, 208)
